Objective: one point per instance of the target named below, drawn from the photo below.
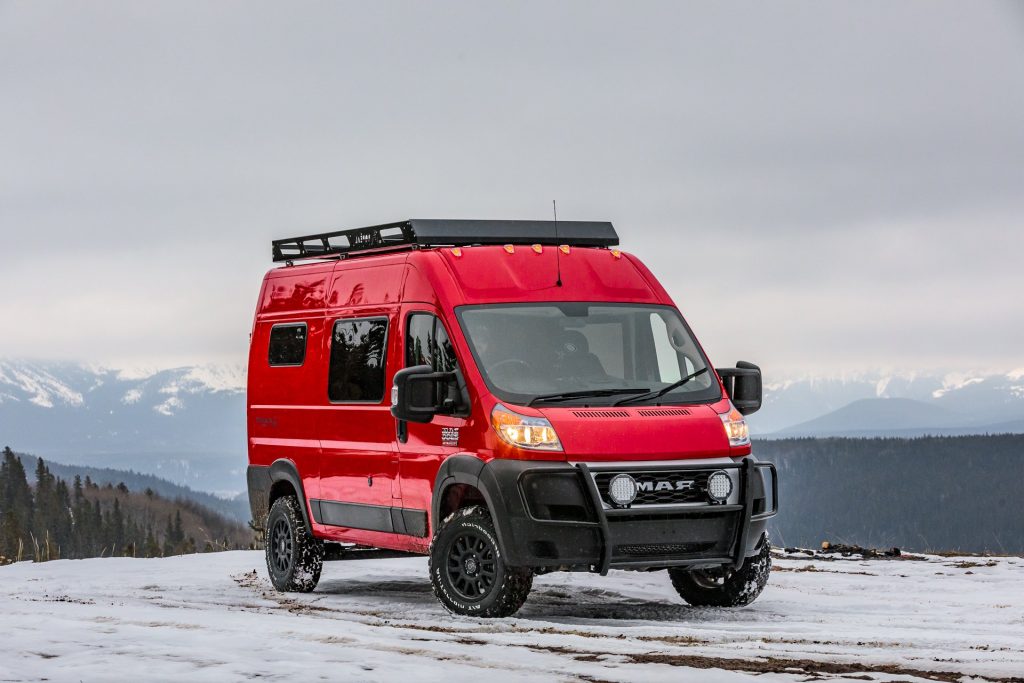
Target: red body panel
(349, 452)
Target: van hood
(638, 432)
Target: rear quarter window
(287, 345)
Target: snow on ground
(213, 618)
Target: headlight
(524, 432)
(735, 427)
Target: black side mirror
(743, 386)
(419, 393)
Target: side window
(358, 352)
(287, 344)
(427, 343)
(668, 359)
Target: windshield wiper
(586, 393)
(661, 392)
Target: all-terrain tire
(737, 588)
(294, 557)
(467, 572)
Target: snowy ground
(211, 618)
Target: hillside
(215, 618)
(44, 517)
(236, 508)
(928, 493)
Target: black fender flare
(285, 470)
(464, 468)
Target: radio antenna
(558, 247)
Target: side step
(334, 552)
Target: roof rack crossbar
(433, 233)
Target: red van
(509, 398)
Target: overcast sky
(822, 187)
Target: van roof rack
(436, 233)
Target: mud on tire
(467, 572)
(294, 557)
(731, 588)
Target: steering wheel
(509, 363)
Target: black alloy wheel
(471, 567)
(281, 545)
(467, 571)
(294, 557)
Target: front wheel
(294, 556)
(467, 572)
(724, 587)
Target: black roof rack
(432, 233)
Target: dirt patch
(813, 569)
(807, 667)
(967, 564)
(63, 598)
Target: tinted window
(287, 344)
(357, 360)
(427, 344)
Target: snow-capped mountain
(188, 424)
(184, 424)
(902, 404)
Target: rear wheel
(725, 587)
(294, 556)
(467, 572)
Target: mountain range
(901, 404)
(187, 425)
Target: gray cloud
(821, 187)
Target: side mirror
(419, 393)
(743, 386)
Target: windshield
(536, 352)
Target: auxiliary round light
(622, 489)
(719, 486)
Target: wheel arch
(468, 471)
(285, 479)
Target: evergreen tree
(117, 528)
(78, 518)
(169, 538)
(16, 506)
(152, 547)
(178, 533)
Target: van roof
(444, 232)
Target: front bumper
(553, 516)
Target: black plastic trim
(384, 518)
(285, 470)
(259, 483)
(672, 510)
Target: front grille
(663, 495)
(648, 549)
